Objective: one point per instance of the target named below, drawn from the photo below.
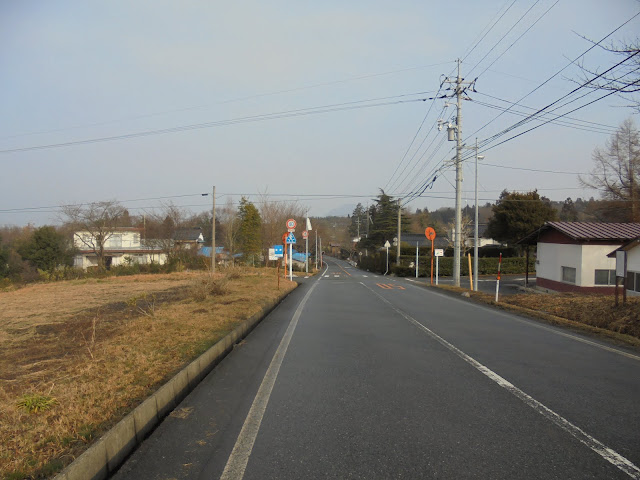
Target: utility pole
(316, 249)
(457, 129)
(399, 228)
(475, 223)
(213, 233)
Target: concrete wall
(586, 259)
(594, 257)
(633, 260)
(552, 257)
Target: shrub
(34, 402)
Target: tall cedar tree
(515, 215)
(358, 221)
(47, 249)
(249, 232)
(384, 218)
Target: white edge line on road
(237, 462)
(533, 323)
(605, 452)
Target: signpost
(276, 253)
(290, 240)
(621, 273)
(438, 252)
(387, 245)
(430, 233)
(305, 235)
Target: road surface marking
(601, 449)
(237, 462)
(515, 316)
(389, 286)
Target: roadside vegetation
(78, 355)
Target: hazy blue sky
(82, 71)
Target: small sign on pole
(430, 233)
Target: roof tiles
(597, 231)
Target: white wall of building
(553, 256)
(586, 259)
(633, 259)
(594, 257)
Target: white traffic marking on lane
(533, 323)
(237, 462)
(598, 447)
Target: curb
(106, 455)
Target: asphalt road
(509, 284)
(362, 376)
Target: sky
(323, 103)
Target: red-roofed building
(573, 256)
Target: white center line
(598, 447)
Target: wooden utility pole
(399, 228)
(213, 233)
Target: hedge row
(486, 266)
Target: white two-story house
(122, 245)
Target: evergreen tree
(249, 232)
(515, 215)
(384, 217)
(47, 249)
(358, 221)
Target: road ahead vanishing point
(360, 376)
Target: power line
(504, 36)
(223, 102)
(519, 37)
(255, 118)
(572, 62)
(412, 142)
(488, 31)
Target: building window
(569, 275)
(116, 241)
(605, 277)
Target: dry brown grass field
(77, 356)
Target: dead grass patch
(98, 348)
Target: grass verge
(79, 355)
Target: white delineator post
(498, 280)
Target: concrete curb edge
(107, 454)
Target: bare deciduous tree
(615, 172)
(161, 227)
(229, 226)
(94, 224)
(623, 79)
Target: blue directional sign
(278, 250)
(291, 238)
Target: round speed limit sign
(291, 223)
